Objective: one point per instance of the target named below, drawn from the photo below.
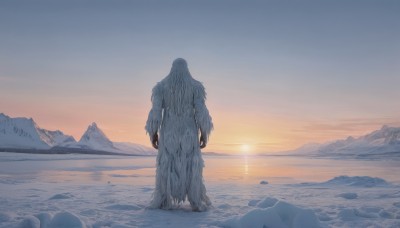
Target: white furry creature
(179, 113)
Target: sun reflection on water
(243, 169)
(246, 165)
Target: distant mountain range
(384, 142)
(24, 135)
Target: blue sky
(275, 71)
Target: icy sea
(246, 191)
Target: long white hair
(179, 82)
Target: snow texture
(281, 214)
(85, 194)
(179, 112)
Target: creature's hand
(203, 141)
(154, 141)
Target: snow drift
(279, 215)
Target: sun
(245, 148)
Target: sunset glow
(273, 82)
(245, 148)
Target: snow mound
(60, 220)
(263, 182)
(29, 222)
(358, 181)
(348, 195)
(253, 203)
(281, 215)
(66, 220)
(386, 214)
(66, 195)
(267, 202)
(351, 214)
(45, 219)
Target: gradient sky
(278, 73)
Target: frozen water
(110, 191)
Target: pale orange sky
(261, 132)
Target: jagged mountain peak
(384, 140)
(95, 138)
(384, 127)
(93, 125)
(385, 135)
(93, 130)
(2, 115)
(23, 132)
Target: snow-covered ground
(266, 191)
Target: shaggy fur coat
(179, 113)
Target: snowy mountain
(94, 138)
(26, 134)
(383, 141)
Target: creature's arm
(155, 115)
(203, 118)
